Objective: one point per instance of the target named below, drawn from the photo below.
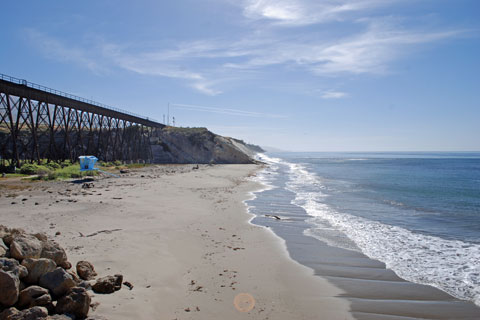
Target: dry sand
(181, 237)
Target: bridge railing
(68, 95)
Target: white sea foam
(452, 266)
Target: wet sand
(373, 291)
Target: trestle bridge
(39, 123)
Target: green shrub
(29, 168)
(53, 165)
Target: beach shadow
(84, 180)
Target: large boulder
(76, 302)
(34, 296)
(25, 246)
(108, 284)
(58, 282)
(12, 265)
(37, 268)
(9, 288)
(35, 313)
(85, 270)
(52, 250)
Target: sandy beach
(181, 237)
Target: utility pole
(163, 118)
(173, 121)
(168, 114)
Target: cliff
(198, 145)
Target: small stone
(37, 268)
(58, 233)
(105, 285)
(10, 288)
(25, 246)
(34, 296)
(85, 270)
(76, 302)
(57, 281)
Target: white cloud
(304, 12)
(331, 94)
(54, 49)
(206, 64)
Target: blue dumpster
(87, 163)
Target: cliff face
(198, 145)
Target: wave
(450, 265)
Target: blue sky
(301, 75)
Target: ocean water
(419, 213)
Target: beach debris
(85, 270)
(273, 216)
(103, 231)
(76, 302)
(34, 296)
(123, 171)
(128, 284)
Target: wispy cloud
(370, 46)
(227, 111)
(304, 12)
(370, 51)
(55, 49)
(331, 94)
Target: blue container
(87, 163)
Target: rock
(35, 313)
(59, 317)
(74, 276)
(9, 288)
(106, 284)
(34, 296)
(85, 270)
(41, 236)
(9, 234)
(8, 313)
(12, 265)
(25, 246)
(76, 302)
(57, 281)
(52, 250)
(118, 281)
(3, 248)
(37, 268)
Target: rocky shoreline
(37, 280)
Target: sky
(297, 75)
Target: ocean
(419, 213)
